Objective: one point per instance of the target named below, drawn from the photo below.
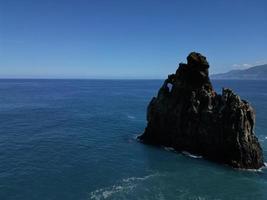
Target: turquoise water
(75, 139)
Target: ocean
(76, 140)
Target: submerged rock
(189, 115)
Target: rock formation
(189, 115)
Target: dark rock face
(189, 115)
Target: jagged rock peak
(196, 72)
(196, 59)
(189, 115)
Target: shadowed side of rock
(188, 115)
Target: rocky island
(190, 116)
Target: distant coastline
(254, 73)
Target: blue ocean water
(75, 140)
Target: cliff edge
(189, 115)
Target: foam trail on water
(190, 155)
(104, 193)
(169, 148)
(130, 117)
(139, 178)
(256, 170)
(124, 186)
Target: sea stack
(190, 116)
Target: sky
(128, 38)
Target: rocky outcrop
(189, 115)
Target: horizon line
(71, 78)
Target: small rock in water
(190, 116)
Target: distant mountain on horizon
(253, 73)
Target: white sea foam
(135, 136)
(262, 138)
(107, 192)
(186, 153)
(169, 149)
(255, 170)
(127, 180)
(130, 117)
(252, 170)
(190, 155)
(126, 185)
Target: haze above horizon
(128, 39)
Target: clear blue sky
(127, 38)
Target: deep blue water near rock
(75, 139)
